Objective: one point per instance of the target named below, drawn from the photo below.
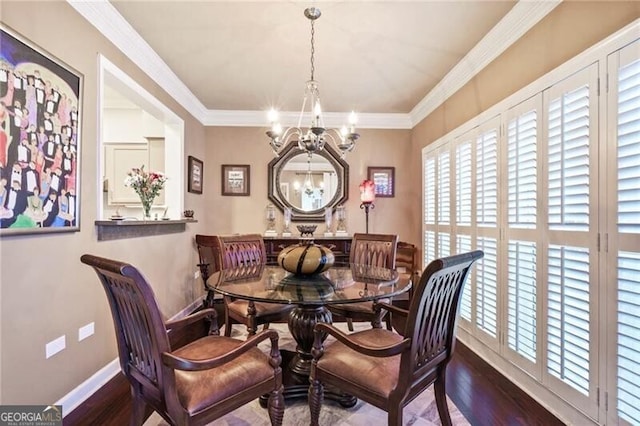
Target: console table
(340, 246)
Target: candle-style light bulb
(272, 115)
(276, 128)
(317, 110)
(343, 131)
(353, 119)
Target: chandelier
(309, 187)
(313, 138)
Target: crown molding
(289, 118)
(523, 16)
(102, 15)
(106, 19)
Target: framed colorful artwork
(40, 110)
(236, 179)
(383, 179)
(196, 174)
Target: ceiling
(372, 57)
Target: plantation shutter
(463, 244)
(521, 287)
(429, 247)
(444, 185)
(625, 97)
(568, 316)
(487, 179)
(522, 176)
(487, 286)
(463, 184)
(523, 141)
(430, 191)
(629, 148)
(444, 244)
(571, 251)
(568, 160)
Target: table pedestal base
(296, 367)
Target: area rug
(420, 412)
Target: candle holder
(271, 221)
(328, 216)
(367, 196)
(367, 205)
(341, 217)
(286, 232)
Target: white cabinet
(120, 158)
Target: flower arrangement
(147, 185)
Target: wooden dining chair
(371, 250)
(388, 369)
(238, 251)
(408, 267)
(196, 383)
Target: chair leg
(276, 407)
(441, 398)
(138, 409)
(227, 322)
(252, 328)
(394, 416)
(208, 302)
(316, 396)
(350, 324)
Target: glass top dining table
(342, 283)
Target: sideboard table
(340, 246)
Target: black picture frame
(384, 180)
(236, 180)
(195, 177)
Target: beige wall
(45, 291)
(237, 145)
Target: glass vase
(146, 207)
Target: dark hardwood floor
(483, 395)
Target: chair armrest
(391, 308)
(190, 319)
(376, 351)
(180, 363)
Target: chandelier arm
(304, 104)
(290, 132)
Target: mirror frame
(277, 198)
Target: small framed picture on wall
(196, 175)
(236, 179)
(383, 179)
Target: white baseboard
(77, 396)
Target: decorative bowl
(306, 258)
(306, 230)
(188, 214)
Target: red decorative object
(367, 196)
(367, 191)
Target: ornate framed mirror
(308, 183)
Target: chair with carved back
(371, 250)
(408, 267)
(196, 383)
(404, 364)
(238, 251)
